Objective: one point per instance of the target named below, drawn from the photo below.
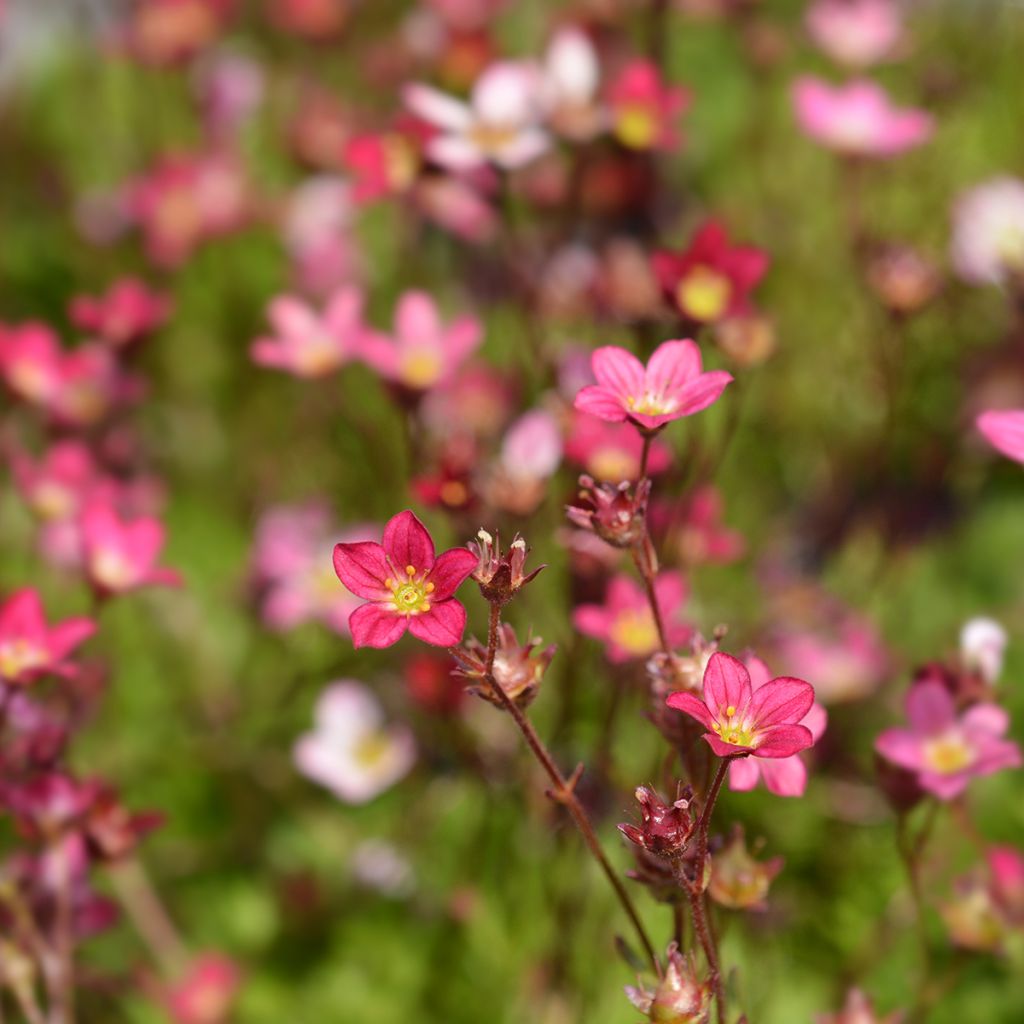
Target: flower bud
(737, 879)
(500, 577)
(515, 670)
(616, 513)
(680, 998)
(665, 829)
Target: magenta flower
(644, 108)
(381, 163)
(28, 647)
(946, 751)
(31, 362)
(625, 622)
(671, 386)
(1004, 430)
(119, 554)
(611, 452)
(308, 344)
(858, 119)
(741, 720)
(127, 312)
(783, 776)
(404, 585)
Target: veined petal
(363, 567)
(781, 701)
(601, 402)
(618, 370)
(672, 366)
(785, 776)
(690, 704)
(726, 684)
(450, 570)
(372, 625)
(783, 740)
(406, 542)
(702, 392)
(442, 626)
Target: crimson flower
(29, 648)
(671, 386)
(405, 586)
(742, 720)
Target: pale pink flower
(783, 776)
(945, 750)
(672, 385)
(858, 1009)
(310, 344)
(625, 622)
(423, 351)
(610, 452)
(856, 33)
(29, 648)
(499, 125)
(858, 119)
(740, 719)
(351, 751)
(31, 362)
(988, 232)
(317, 234)
(1004, 430)
(121, 554)
(532, 447)
(205, 992)
(570, 84)
(230, 88)
(982, 646)
(457, 207)
(55, 485)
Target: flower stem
(564, 790)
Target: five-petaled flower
(404, 585)
(741, 720)
(671, 386)
(29, 648)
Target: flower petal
(450, 570)
(601, 402)
(406, 542)
(618, 370)
(930, 708)
(901, 747)
(723, 749)
(372, 625)
(786, 776)
(698, 394)
(442, 626)
(67, 635)
(690, 704)
(437, 108)
(363, 567)
(743, 774)
(726, 683)
(781, 701)
(672, 366)
(783, 740)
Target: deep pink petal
(945, 787)
(442, 626)
(416, 320)
(22, 616)
(600, 402)
(786, 776)
(723, 749)
(66, 636)
(671, 591)
(781, 701)
(672, 366)
(726, 684)
(591, 620)
(1004, 431)
(363, 567)
(406, 542)
(744, 773)
(702, 392)
(450, 569)
(783, 740)
(690, 704)
(901, 747)
(371, 625)
(618, 370)
(930, 708)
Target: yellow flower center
(636, 126)
(111, 570)
(947, 754)
(733, 728)
(371, 749)
(492, 138)
(410, 596)
(401, 161)
(650, 404)
(704, 294)
(635, 631)
(420, 368)
(318, 356)
(18, 656)
(612, 464)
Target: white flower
(499, 124)
(988, 232)
(982, 644)
(570, 84)
(350, 750)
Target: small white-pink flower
(532, 448)
(988, 232)
(856, 33)
(351, 750)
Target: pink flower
(55, 485)
(701, 537)
(499, 124)
(308, 344)
(671, 386)
(741, 720)
(610, 452)
(456, 207)
(570, 84)
(532, 447)
(711, 279)
(31, 362)
(625, 622)
(855, 32)
(644, 109)
(988, 232)
(350, 750)
(783, 776)
(127, 312)
(1004, 430)
(405, 586)
(230, 88)
(946, 751)
(206, 991)
(119, 554)
(312, 19)
(858, 119)
(423, 351)
(28, 647)
(381, 163)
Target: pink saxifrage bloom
(644, 109)
(856, 33)
(29, 648)
(783, 776)
(405, 586)
(625, 622)
(741, 720)
(127, 312)
(423, 351)
(308, 344)
(858, 119)
(671, 386)
(611, 452)
(1004, 430)
(946, 750)
(205, 992)
(120, 554)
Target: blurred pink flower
(671, 386)
(467, 15)
(29, 648)
(611, 452)
(625, 622)
(422, 352)
(317, 234)
(988, 232)
(31, 362)
(570, 84)
(532, 447)
(405, 586)
(120, 554)
(944, 750)
(858, 1009)
(740, 719)
(499, 124)
(856, 33)
(128, 311)
(858, 119)
(644, 108)
(381, 163)
(308, 344)
(206, 992)
(701, 536)
(230, 88)
(784, 776)
(1004, 430)
(55, 485)
(350, 750)
(982, 646)
(312, 19)
(165, 32)
(457, 207)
